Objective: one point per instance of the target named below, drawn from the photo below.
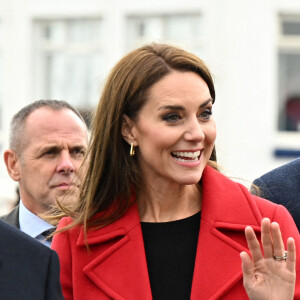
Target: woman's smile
(186, 155)
(187, 158)
(174, 131)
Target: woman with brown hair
(155, 218)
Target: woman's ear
(128, 131)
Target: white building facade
(52, 49)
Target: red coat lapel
(227, 208)
(118, 263)
(119, 269)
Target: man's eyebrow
(79, 146)
(179, 107)
(50, 147)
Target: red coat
(116, 267)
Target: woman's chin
(190, 180)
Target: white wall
(240, 47)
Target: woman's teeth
(186, 156)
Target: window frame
(197, 43)
(43, 48)
(287, 142)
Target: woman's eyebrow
(175, 107)
(179, 107)
(206, 102)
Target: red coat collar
(227, 208)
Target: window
(289, 74)
(69, 56)
(185, 29)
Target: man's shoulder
(292, 168)
(10, 237)
(28, 269)
(12, 218)
(281, 186)
(288, 174)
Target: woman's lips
(186, 156)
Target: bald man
(48, 141)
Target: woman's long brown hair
(112, 174)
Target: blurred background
(54, 49)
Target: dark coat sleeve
(53, 288)
(28, 269)
(282, 186)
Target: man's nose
(65, 164)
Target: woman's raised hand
(270, 274)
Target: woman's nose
(194, 131)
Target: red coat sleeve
(61, 244)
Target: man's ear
(128, 131)
(12, 164)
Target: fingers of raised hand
(266, 238)
(253, 244)
(272, 243)
(247, 266)
(278, 246)
(291, 255)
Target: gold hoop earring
(132, 150)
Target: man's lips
(65, 185)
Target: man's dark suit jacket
(12, 218)
(28, 269)
(282, 186)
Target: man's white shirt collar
(33, 225)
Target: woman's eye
(172, 118)
(206, 114)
